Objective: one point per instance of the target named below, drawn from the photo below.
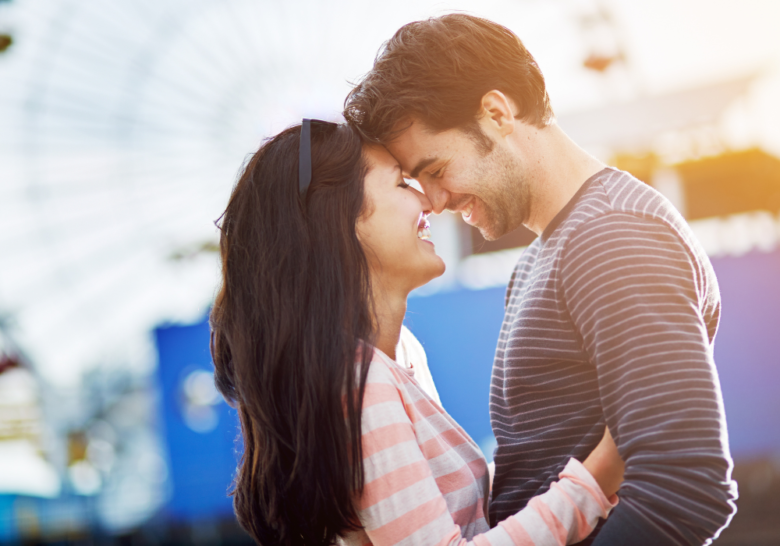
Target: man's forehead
(414, 148)
(414, 130)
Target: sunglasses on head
(304, 154)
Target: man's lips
(463, 204)
(466, 210)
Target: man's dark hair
(437, 71)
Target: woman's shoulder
(384, 371)
(387, 381)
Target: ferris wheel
(127, 123)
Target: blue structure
(459, 331)
(201, 463)
(747, 351)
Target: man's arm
(631, 289)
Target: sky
(125, 123)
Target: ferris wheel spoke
(92, 48)
(180, 94)
(165, 175)
(74, 268)
(197, 49)
(183, 184)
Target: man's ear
(498, 112)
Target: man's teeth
(467, 211)
(424, 233)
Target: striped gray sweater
(610, 317)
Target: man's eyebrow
(420, 166)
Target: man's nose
(426, 204)
(437, 195)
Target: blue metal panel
(201, 464)
(747, 350)
(9, 533)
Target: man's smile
(465, 206)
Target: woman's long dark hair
(288, 326)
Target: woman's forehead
(380, 160)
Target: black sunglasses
(304, 154)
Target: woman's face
(393, 228)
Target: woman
(322, 241)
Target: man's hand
(605, 464)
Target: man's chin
(498, 228)
(490, 233)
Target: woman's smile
(393, 207)
(424, 228)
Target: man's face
(488, 188)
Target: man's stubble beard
(506, 195)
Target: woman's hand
(605, 464)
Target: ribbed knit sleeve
(418, 483)
(632, 290)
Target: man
(610, 314)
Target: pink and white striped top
(426, 481)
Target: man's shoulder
(610, 200)
(617, 199)
(614, 191)
(629, 195)
(639, 204)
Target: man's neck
(390, 309)
(562, 169)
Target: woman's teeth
(423, 227)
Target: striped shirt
(426, 481)
(610, 317)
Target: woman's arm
(605, 465)
(402, 500)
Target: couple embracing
(603, 376)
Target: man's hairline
(409, 121)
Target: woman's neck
(390, 309)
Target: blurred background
(123, 125)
